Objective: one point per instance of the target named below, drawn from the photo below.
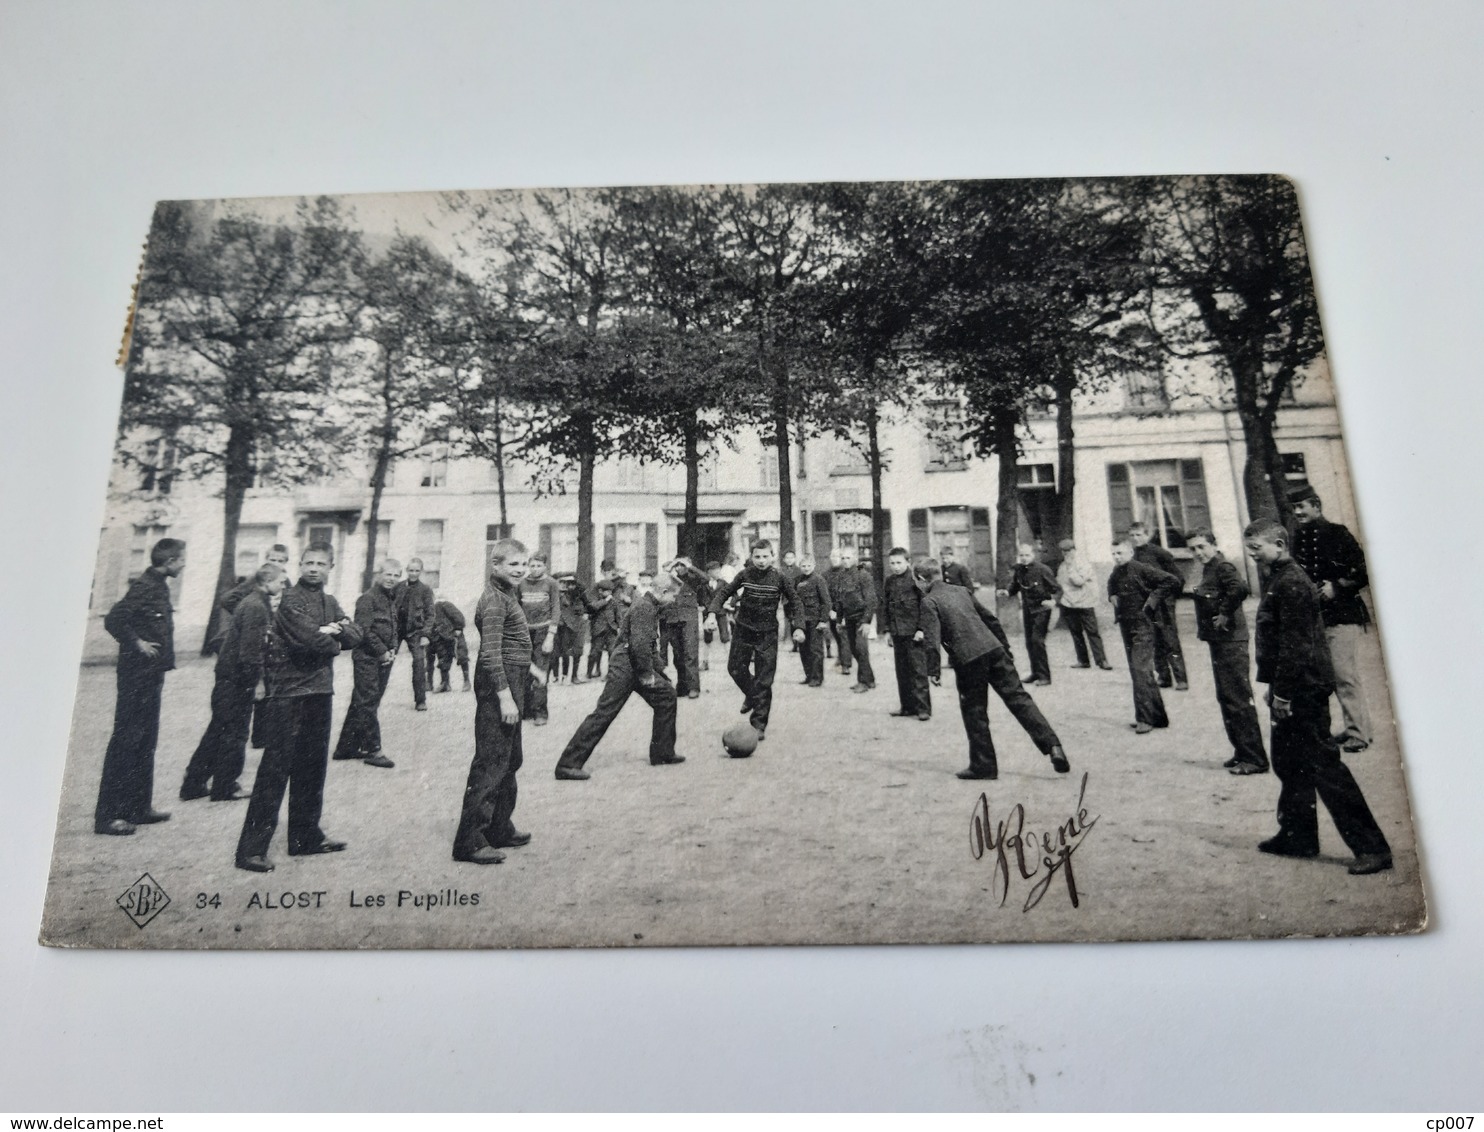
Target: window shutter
(982, 565)
(543, 543)
(917, 531)
(652, 546)
(1120, 501)
(610, 542)
(823, 538)
(1193, 493)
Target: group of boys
(279, 643)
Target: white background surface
(1373, 108)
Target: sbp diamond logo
(143, 900)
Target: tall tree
(409, 306)
(228, 353)
(1232, 248)
(868, 302)
(771, 245)
(695, 357)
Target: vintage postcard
(785, 564)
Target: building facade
(1173, 460)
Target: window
(949, 526)
(707, 470)
(943, 437)
(630, 475)
(253, 541)
(158, 467)
(1295, 471)
(853, 531)
(434, 465)
(430, 550)
(847, 459)
(1146, 391)
(768, 467)
(1038, 510)
(562, 548)
(628, 547)
(1168, 496)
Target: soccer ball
(739, 740)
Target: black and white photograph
(855, 562)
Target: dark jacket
(504, 642)
(957, 574)
(758, 593)
(606, 612)
(1035, 583)
(814, 597)
(1292, 650)
(639, 634)
(239, 664)
(901, 607)
(575, 605)
(300, 658)
(853, 591)
(144, 613)
(1152, 554)
(1328, 552)
(956, 621)
(226, 606)
(448, 621)
(376, 617)
(1220, 593)
(693, 596)
(414, 610)
(1136, 590)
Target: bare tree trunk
(686, 542)
(879, 537)
(785, 469)
(585, 572)
(1007, 518)
(1262, 473)
(378, 473)
(500, 464)
(238, 467)
(1066, 459)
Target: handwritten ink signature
(1049, 850)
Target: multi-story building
(1173, 459)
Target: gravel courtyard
(847, 826)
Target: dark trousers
(537, 677)
(1307, 761)
(621, 684)
(297, 755)
(751, 663)
(1083, 625)
(490, 793)
(996, 669)
(811, 652)
(601, 643)
(1138, 646)
(1036, 622)
(913, 688)
(842, 646)
(126, 790)
(854, 643)
(222, 752)
(1169, 660)
(419, 672)
(934, 662)
(444, 653)
(1229, 665)
(568, 651)
(683, 638)
(360, 735)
